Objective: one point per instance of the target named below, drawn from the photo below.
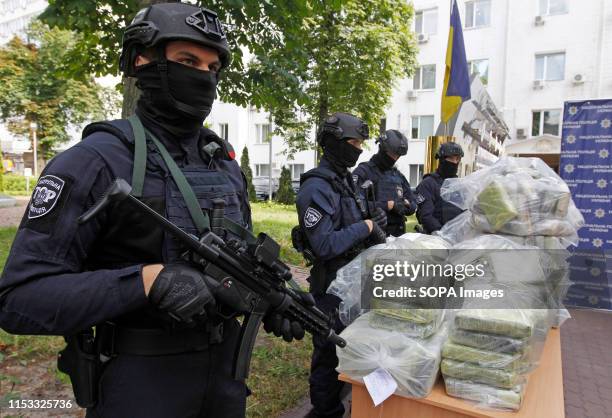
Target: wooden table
(543, 397)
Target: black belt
(114, 339)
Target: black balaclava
(383, 160)
(186, 86)
(447, 169)
(341, 154)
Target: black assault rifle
(248, 278)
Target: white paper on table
(380, 385)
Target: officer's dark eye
(188, 61)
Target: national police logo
(573, 110)
(400, 191)
(355, 178)
(419, 198)
(606, 123)
(312, 217)
(604, 153)
(571, 139)
(45, 196)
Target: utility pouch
(301, 245)
(81, 361)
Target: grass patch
(6, 239)
(277, 221)
(279, 375)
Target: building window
(480, 67)
(262, 133)
(550, 67)
(426, 22)
(477, 13)
(296, 171)
(422, 127)
(262, 170)
(546, 122)
(415, 174)
(224, 131)
(553, 7)
(425, 78)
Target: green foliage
(285, 194)
(277, 221)
(35, 88)
(248, 173)
(309, 57)
(16, 185)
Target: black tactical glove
(276, 323)
(181, 292)
(380, 217)
(401, 208)
(377, 235)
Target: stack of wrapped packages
(406, 342)
(519, 218)
(490, 352)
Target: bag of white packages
(413, 362)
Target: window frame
(542, 118)
(420, 75)
(473, 23)
(546, 56)
(548, 13)
(420, 172)
(259, 140)
(423, 12)
(293, 170)
(419, 129)
(258, 167)
(224, 130)
(471, 63)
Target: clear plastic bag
(349, 287)
(486, 396)
(413, 362)
(516, 196)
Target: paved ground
(11, 216)
(586, 347)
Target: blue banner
(586, 166)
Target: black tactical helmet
(393, 142)
(160, 23)
(342, 126)
(448, 149)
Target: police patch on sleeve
(419, 198)
(45, 196)
(355, 179)
(312, 217)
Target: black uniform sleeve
(245, 206)
(426, 191)
(45, 287)
(409, 196)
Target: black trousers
(325, 387)
(187, 385)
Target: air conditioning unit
(422, 38)
(411, 95)
(539, 20)
(520, 133)
(539, 84)
(579, 79)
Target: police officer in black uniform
(160, 348)
(393, 193)
(433, 211)
(335, 229)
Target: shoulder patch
(45, 196)
(312, 217)
(355, 178)
(419, 198)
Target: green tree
(308, 58)
(35, 89)
(248, 173)
(285, 193)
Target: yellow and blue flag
(457, 75)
